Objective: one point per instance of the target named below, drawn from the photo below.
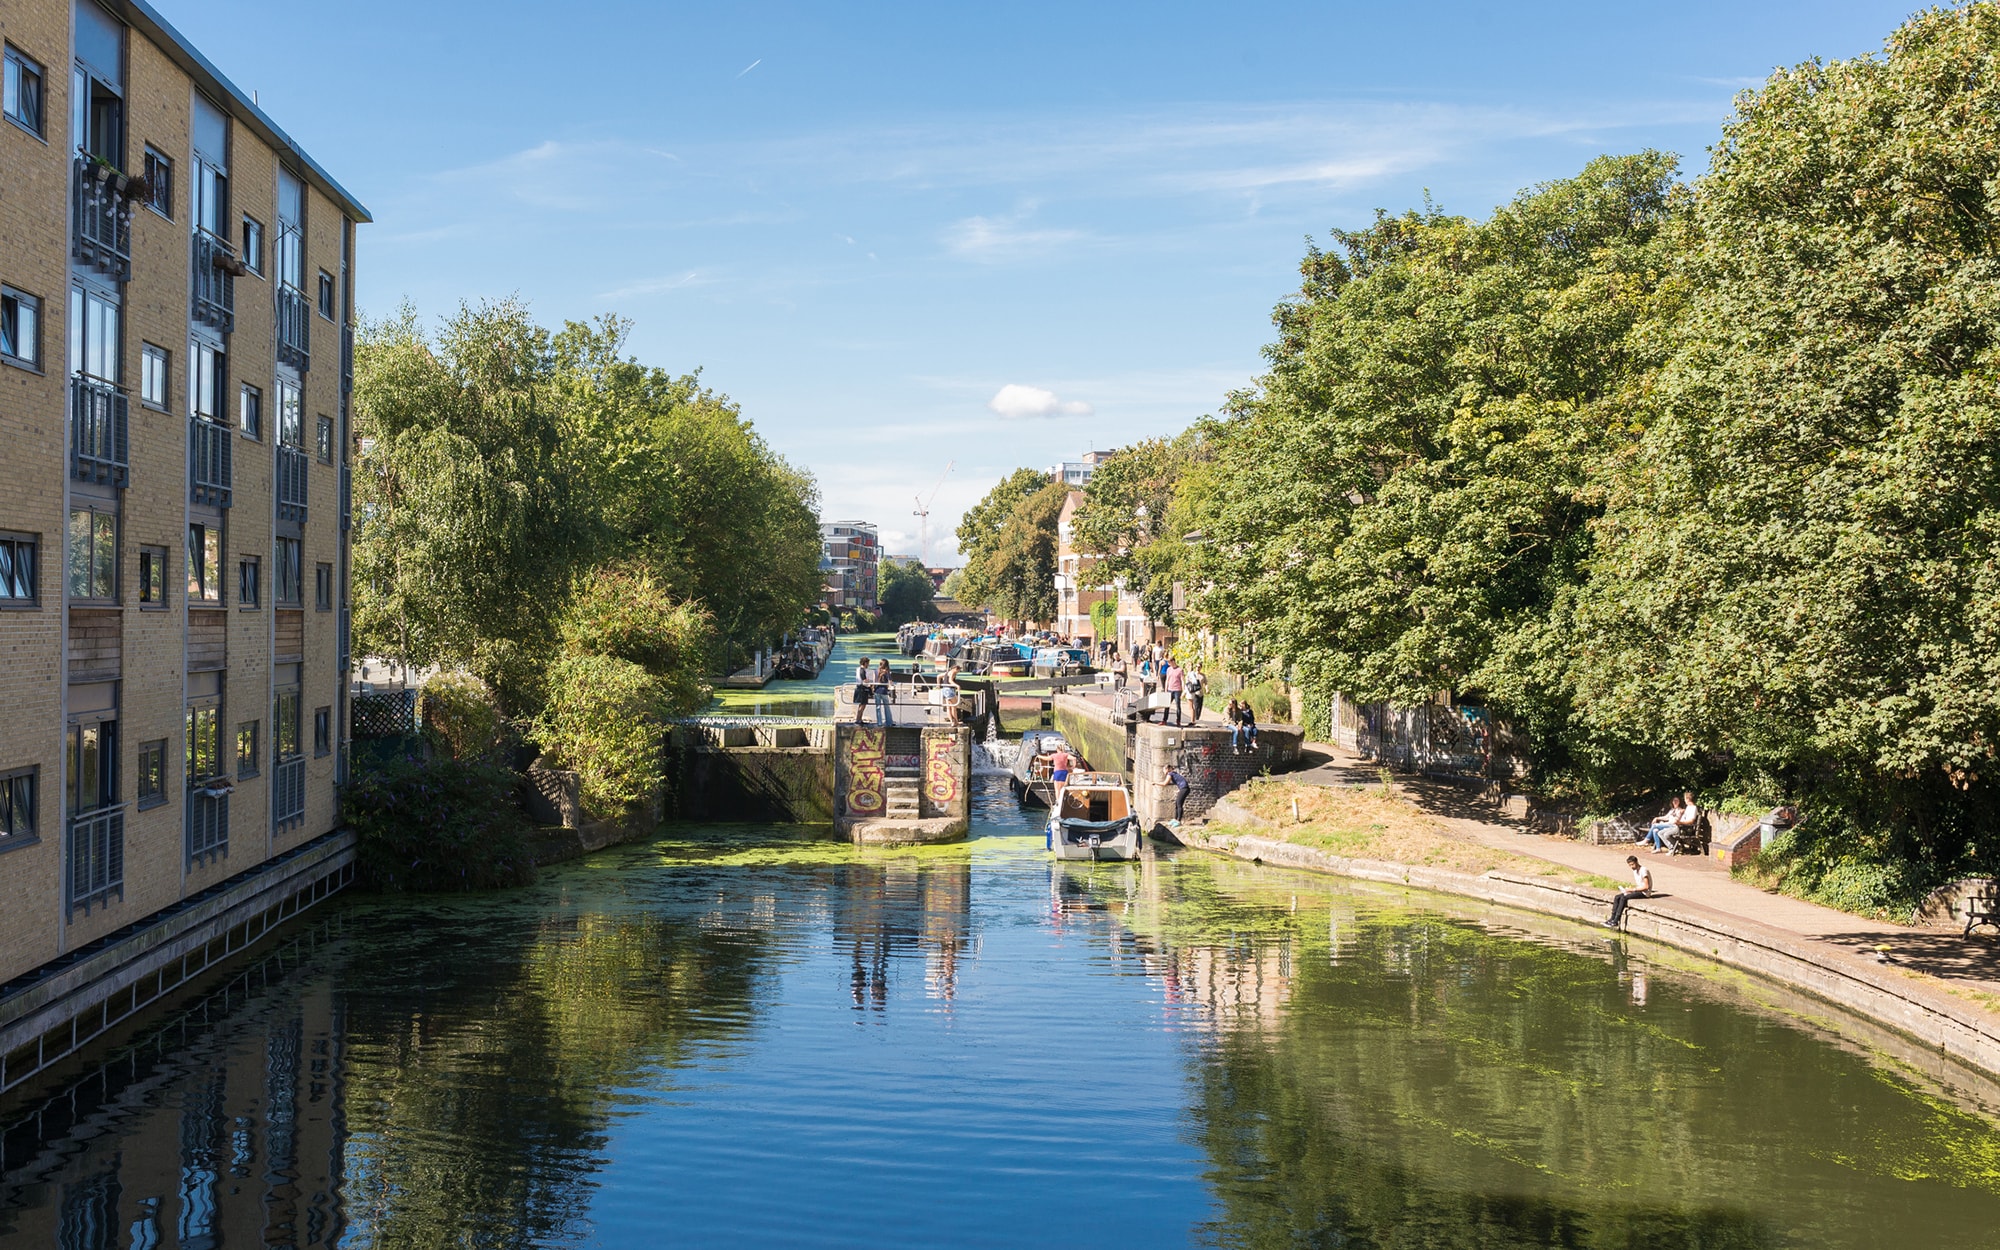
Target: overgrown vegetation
(438, 824)
(1689, 483)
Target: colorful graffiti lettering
(941, 769)
(865, 760)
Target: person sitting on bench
(1660, 834)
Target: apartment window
(208, 367)
(151, 783)
(247, 589)
(92, 776)
(253, 245)
(17, 807)
(291, 257)
(323, 587)
(20, 327)
(288, 571)
(153, 577)
(204, 556)
(94, 338)
(17, 571)
(285, 725)
(325, 439)
(93, 554)
(204, 745)
(291, 418)
(250, 411)
(159, 182)
(322, 731)
(326, 295)
(24, 92)
(246, 749)
(153, 370)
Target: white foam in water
(996, 756)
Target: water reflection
(661, 1043)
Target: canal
(745, 1035)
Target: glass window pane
(79, 554)
(104, 556)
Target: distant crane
(923, 512)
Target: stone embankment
(1827, 954)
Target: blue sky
(865, 221)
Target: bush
(1271, 701)
(460, 716)
(439, 824)
(629, 616)
(1836, 871)
(604, 720)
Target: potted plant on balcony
(230, 263)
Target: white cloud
(1003, 238)
(1016, 401)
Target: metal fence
(385, 714)
(96, 857)
(288, 792)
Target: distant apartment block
(1078, 472)
(176, 311)
(850, 552)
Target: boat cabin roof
(1094, 781)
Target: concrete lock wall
(902, 785)
(1212, 766)
(1095, 731)
(763, 772)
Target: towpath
(1695, 884)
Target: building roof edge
(143, 15)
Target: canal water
(746, 1035)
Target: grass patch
(1375, 822)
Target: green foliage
(459, 716)
(905, 592)
(985, 530)
(440, 824)
(605, 720)
(1104, 619)
(1270, 700)
(1013, 573)
(628, 615)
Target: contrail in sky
(752, 65)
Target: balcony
(96, 857)
(98, 419)
(210, 446)
(294, 329)
(346, 498)
(215, 271)
(288, 793)
(291, 484)
(343, 633)
(103, 226)
(208, 823)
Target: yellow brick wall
(34, 245)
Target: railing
(291, 484)
(294, 329)
(103, 225)
(207, 826)
(214, 281)
(342, 629)
(96, 857)
(211, 446)
(288, 793)
(346, 497)
(346, 359)
(98, 416)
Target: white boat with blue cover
(1092, 818)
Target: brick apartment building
(850, 556)
(176, 304)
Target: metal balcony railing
(207, 825)
(103, 226)
(210, 447)
(346, 359)
(215, 266)
(346, 497)
(294, 328)
(291, 484)
(96, 857)
(98, 415)
(342, 630)
(288, 793)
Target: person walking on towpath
(1642, 887)
(1197, 685)
(882, 716)
(1171, 775)
(1171, 680)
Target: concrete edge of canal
(1884, 995)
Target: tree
(1018, 572)
(905, 591)
(980, 530)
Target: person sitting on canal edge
(1642, 887)
(1244, 731)
(1171, 775)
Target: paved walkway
(1698, 881)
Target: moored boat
(1092, 818)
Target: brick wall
(1212, 766)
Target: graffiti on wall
(941, 779)
(866, 759)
